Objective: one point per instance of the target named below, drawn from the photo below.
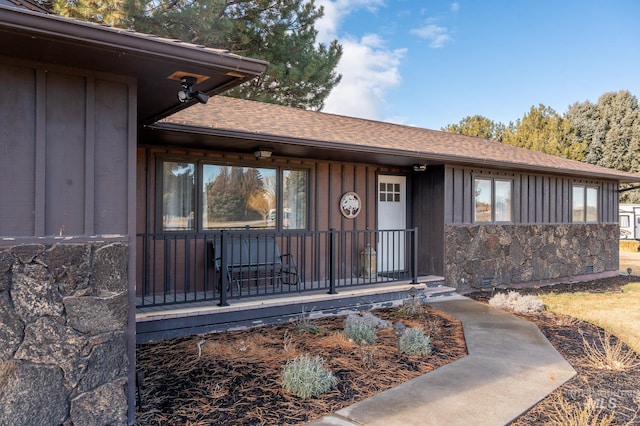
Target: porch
(200, 282)
(170, 321)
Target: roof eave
(416, 156)
(130, 41)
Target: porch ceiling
(151, 60)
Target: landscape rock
(27, 252)
(70, 266)
(32, 395)
(48, 342)
(33, 298)
(106, 363)
(95, 315)
(11, 328)
(110, 268)
(106, 405)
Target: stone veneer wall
(480, 256)
(63, 320)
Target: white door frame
(391, 195)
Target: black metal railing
(223, 265)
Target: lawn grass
(618, 313)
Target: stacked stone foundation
(63, 321)
(486, 256)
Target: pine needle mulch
(233, 378)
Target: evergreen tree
(301, 72)
(610, 131)
(543, 129)
(107, 12)
(477, 125)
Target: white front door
(392, 215)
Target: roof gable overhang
(151, 60)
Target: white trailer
(629, 219)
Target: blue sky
(432, 63)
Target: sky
(433, 63)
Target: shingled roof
(244, 119)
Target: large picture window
(493, 200)
(584, 203)
(232, 197)
(238, 197)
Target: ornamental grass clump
(515, 302)
(362, 329)
(609, 355)
(414, 342)
(306, 377)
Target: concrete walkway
(510, 367)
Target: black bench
(249, 259)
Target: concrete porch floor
(163, 322)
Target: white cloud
(335, 11)
(436, 34)
(367, 66)
(368, 69)
(455, 7)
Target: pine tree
(301, 72)
(477, 125)
(610, 131)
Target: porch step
(197, 319)
(432, 292)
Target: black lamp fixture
(419, 168)
(187, 93)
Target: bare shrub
(579, 413)
(304, 324)
(607, 355)
(368, 358)
(515, 302)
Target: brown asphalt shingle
(348, 133)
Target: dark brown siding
(428, 193)
(112, 116)
(65, 154)
(64, 167)
(17, 150)
(328, 182)
(536, 198)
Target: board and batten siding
(65, 167)
(328, 181)
(537, 198)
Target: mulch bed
(233, 378)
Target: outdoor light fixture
(398, 329)
(419, 167)
(261, 153)
(187, 93)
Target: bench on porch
(251, 259)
